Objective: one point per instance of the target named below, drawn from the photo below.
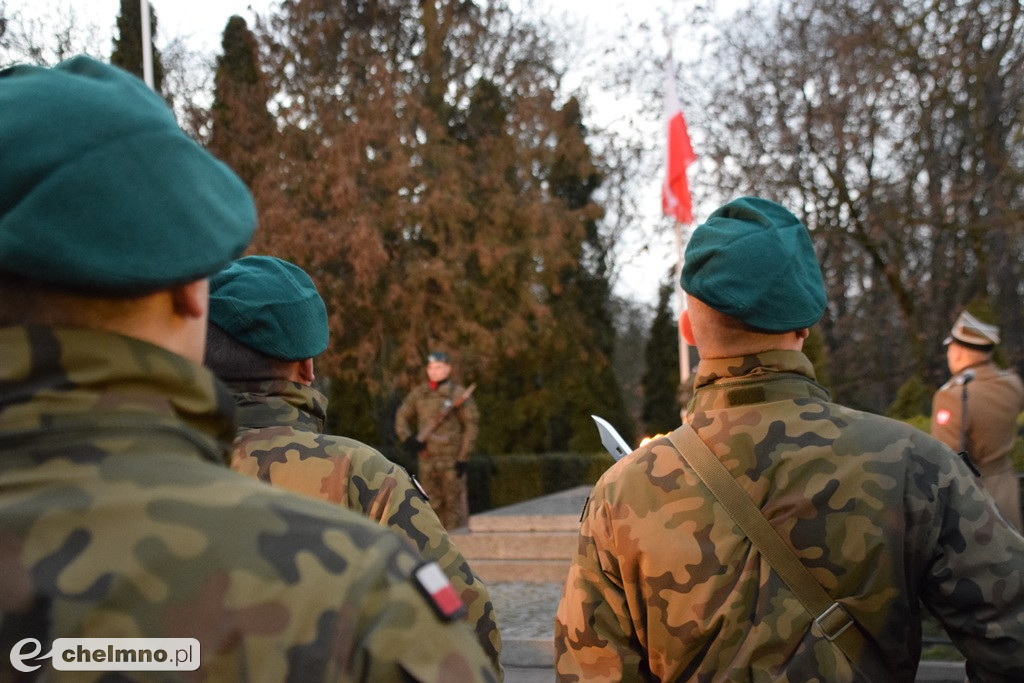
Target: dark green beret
(752, 259)
(270, 305)
(100, 190)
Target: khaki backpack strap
(831, 618)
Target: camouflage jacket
(119, 518)
(455, 436)
(281, 441)
(665, 586)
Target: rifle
(446, 410)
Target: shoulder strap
(831, 617)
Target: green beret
(752, 259)
(271, 306)
(100, 190)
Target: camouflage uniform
(119, 518)
(994, 400)
(280, 441)
(665, 586)
(450, 443)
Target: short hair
(725, 333)
(231, 360)
(28, 302)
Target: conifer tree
(127, 52)
(661, 376)
(413, 179)
(241, 125)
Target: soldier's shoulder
(867, 424)
(359, 453)
(418, 390)
(271, 504)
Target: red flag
(675, 191)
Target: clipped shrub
(913, 399)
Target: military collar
(69, 380)
(438, 386)
(277, 402)
(745, 380)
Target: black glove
(460, 467)
(413, 445)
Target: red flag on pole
(675, 191)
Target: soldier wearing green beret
(975, 412)
(887, 521)
(267, 324)
(438, 424)
(118, 515)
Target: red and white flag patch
(942, 417)
(434, 584)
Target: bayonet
(610, 439)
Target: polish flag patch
(942, 417)
(434, 584)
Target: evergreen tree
(127, 52)
(661, 377)
(412, 178)
(241, 125)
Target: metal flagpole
(147, 45)
(684, 348)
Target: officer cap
(971, 332)
(752, 259)
(271, 306)
(101, 191)
(438, 357)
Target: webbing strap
(831, 618)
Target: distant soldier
(437, 423)
(267, 324)
(976, 411)
(879, 518)
(118, 516)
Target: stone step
(508, 545)
(528, 653)
(525, 571)
(554, 512)
(523, 523)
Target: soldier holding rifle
(437, 423)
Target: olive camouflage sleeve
(609, 649)
(405, 417)
(469, 415)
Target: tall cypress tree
(241, 125)
(127, 52)
(661, 376)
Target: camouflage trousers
(447, 490)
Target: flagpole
(679, 155)
(684, 348)
(147, 44)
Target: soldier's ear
(686, 328)
(191, 300)
(302, 372)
